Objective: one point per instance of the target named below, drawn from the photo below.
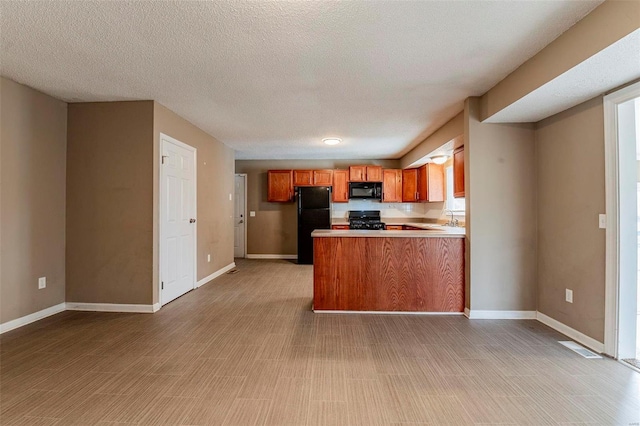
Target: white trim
(321, 311)
(612, 248)
(482, 314)
(245, 223)
(570, 332)
(164, 137)
(28, 319)
(216, 274)
(112, 307)
(272, 256)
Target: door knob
(241, 221)
(192, 220)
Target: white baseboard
(216, 274)
(272, 256)
(112, 307)
(28, 319)
(579, 337)
(482, 314)
(320, 311)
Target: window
(451, 203)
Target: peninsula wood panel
(389, 274)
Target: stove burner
(365, 219)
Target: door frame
(166, 138)
(612, 195)
(245, 211)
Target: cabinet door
(435, 182)
(302, 177)
(340, 186)
(458, 172)
(391, 186)
(280, 186)
(374, 173)
(410, 185)
(357, 173)
(423, 183)
(323, 177)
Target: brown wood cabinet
(323, 177)
(458, 172)
(374, 173)
(393, 227)
(340, 227)
(365, 174)
(392, 186)
(410, 185)
(431, 183)
(340, 192)
(302, 177)
(357, 173)
(280, 186)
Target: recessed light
(439, 159)
(332, 141)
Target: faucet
(452, 222)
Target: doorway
(240, 216)
(177, 219)
(622, 161)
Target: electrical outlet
(42, 283)
(602, 221)
(252, 214)
(208, 258)
(568, 296)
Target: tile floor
(245, 349)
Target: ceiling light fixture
(332, 141)
(439, 159)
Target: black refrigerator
(314, 212)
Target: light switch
(42, 283)
(568, 295)
(230, 197)
(602, 221)
(252, 214)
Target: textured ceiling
(611, 67)
(271, 79)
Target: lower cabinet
(393, 227)
(343, 227)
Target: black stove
(365, 219)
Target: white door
(239, 217)
(177, 219)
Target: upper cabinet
(312, 177)
(431, 183)
(340, 190)
(410, 185)
(424, 184)
(323, 177)
(458, 172)
(302, 177)
(365, 174)
(280, 186)
(391, 186)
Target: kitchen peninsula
(389, 271)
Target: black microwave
(365, 190)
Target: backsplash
(395, 210)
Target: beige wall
(571, 194)
(605, 25)
(274, 228)
(33, 141)
(452, 129)
(215, 182)
(500, 196)
(109, 202)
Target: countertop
(427, 231)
